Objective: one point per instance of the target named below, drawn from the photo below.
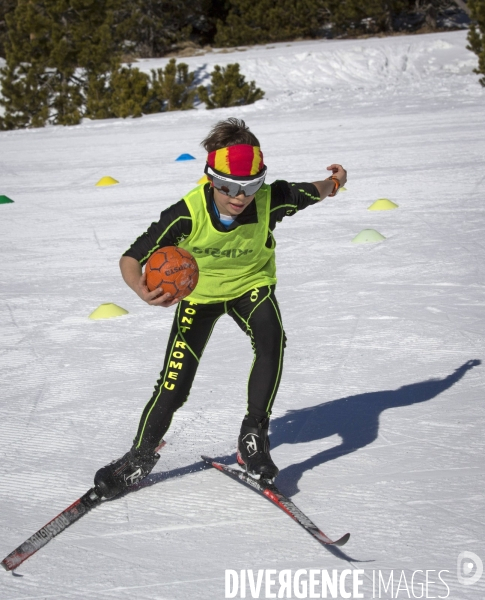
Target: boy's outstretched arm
(131, 270)
(327, 186)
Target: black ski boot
(131, 468)
(253, 449)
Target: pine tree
(6, 6)
(204, 27)
(98, 97)
(25, 82)
(132, 93)
(153, 26)
(173, 88)
(476, 35)
(55, 50)
(229, 88)
(250, 22)
(129, 93)
(365, 16)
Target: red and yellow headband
(241, 160)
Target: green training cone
(107, 311)
(383, 204)
(368, 236)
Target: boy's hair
(229, 133)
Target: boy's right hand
(156, 297)
(133, 276)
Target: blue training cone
(185, 157)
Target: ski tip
(207, 459)
(343, 540)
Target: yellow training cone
(104, 181)
(383, 204)
(368, 236)
(108, 311)
(203, 179)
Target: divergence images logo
(469, 568)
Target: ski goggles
(233, 187)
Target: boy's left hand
(339, 172)
(327, 186)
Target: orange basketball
(174, 270)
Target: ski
(271, 492)
(67, 517)
(90, 499)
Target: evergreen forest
(69, 59)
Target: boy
(227, 225)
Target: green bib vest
(230, 262)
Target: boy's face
(228, 205)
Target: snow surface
(378, 424)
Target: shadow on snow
(354, 419)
